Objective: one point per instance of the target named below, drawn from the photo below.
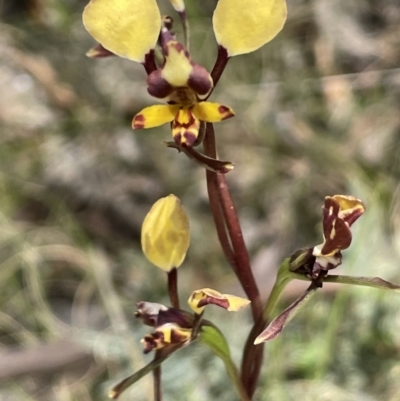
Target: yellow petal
(349, 205)
(154, 116)
(127, 28)
(212, 112)
(165, 233)
(200, 298)
(244, 26)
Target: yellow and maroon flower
(172, 326)
(339, 213)
(165, 336)
(207, 296)
(184, 85)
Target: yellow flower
(244, 26)
(207, 296)
(165, 233)
(183, 84)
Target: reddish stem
(212, 187)
(173, 288)
(232, 242)
(149, 63)
(157, 381)
(219, 66)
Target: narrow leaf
(374, 282)
(276, 326)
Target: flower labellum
(164, 336)
(165, 233)
(207, 296)
(339, 213)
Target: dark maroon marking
(190, 138)
(149, 62)
(340, 241)
(177, 138)
(200, 80)
(168, 22)
(158, 86)
(223, 303)
(223, 109)
(177, 337)
(328, 219)
(226, 112)
(353, 216)
(138, 121)
(184, 125)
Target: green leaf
(374, 282)
(214, 339)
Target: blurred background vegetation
(317, 113)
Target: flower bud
(165, 233)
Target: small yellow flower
(183, 84)
(244, 26)
(207, 296)
(165, 233)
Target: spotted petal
(244, 26)
(212, 112)
(127, 28)
(185, 128)
(154, 116)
